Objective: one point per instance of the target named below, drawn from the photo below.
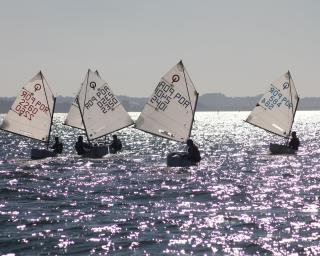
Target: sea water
(240, 200)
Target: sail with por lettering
(276, 109)
(170, 110)
(73, 118)
(32, 111)
(100, 110)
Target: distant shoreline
(207, 102)
(204, 111)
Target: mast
(54, 105)
(295, 109)
(82, 112)
(287, 142)
(185, 80)
(276, 109)
(105, 136)
(52, 111)
(84, 125)
(193, 114)
(44, 89)
(31, 122)
(193, 110)
(169, 112)
(85, 95)
(100, 111)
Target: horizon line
(118, 95)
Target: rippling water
(239, 201)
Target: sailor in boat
(193, 153)
(294, 142)
(57, 146)
(82, 147)
(115, 145)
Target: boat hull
(97, 152)
(278, 149)
(179, 159)
(41, 153)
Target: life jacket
(79, 148)
(58, 147)
(116, 145)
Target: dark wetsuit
(194, 154)
(115, 146)
(57, 147)
(81, 147)
(294, 143)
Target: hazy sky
(234, 47)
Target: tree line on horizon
(206, 102)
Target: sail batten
(170, 110)
(276, 109)
(31, 113)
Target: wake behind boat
(170, 110)
(98, 112)
(31, 114)
(275, 112)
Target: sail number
(104, 99)
(29, 106)
(275, 99)
(164, 94)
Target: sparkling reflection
(239, 201)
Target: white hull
(97, 152)
(281, 149)
(41, 153)
(178, 159)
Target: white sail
(32, 111)
(73, 118)
(170, 110)
(276, 110)
(102, 113)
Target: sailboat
(74, 118)
(31, 114)
(169, 112)
(97, 111)
(276, 110)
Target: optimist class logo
(175, 78)
(37, 87)
(93, 85)
(285, 85)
